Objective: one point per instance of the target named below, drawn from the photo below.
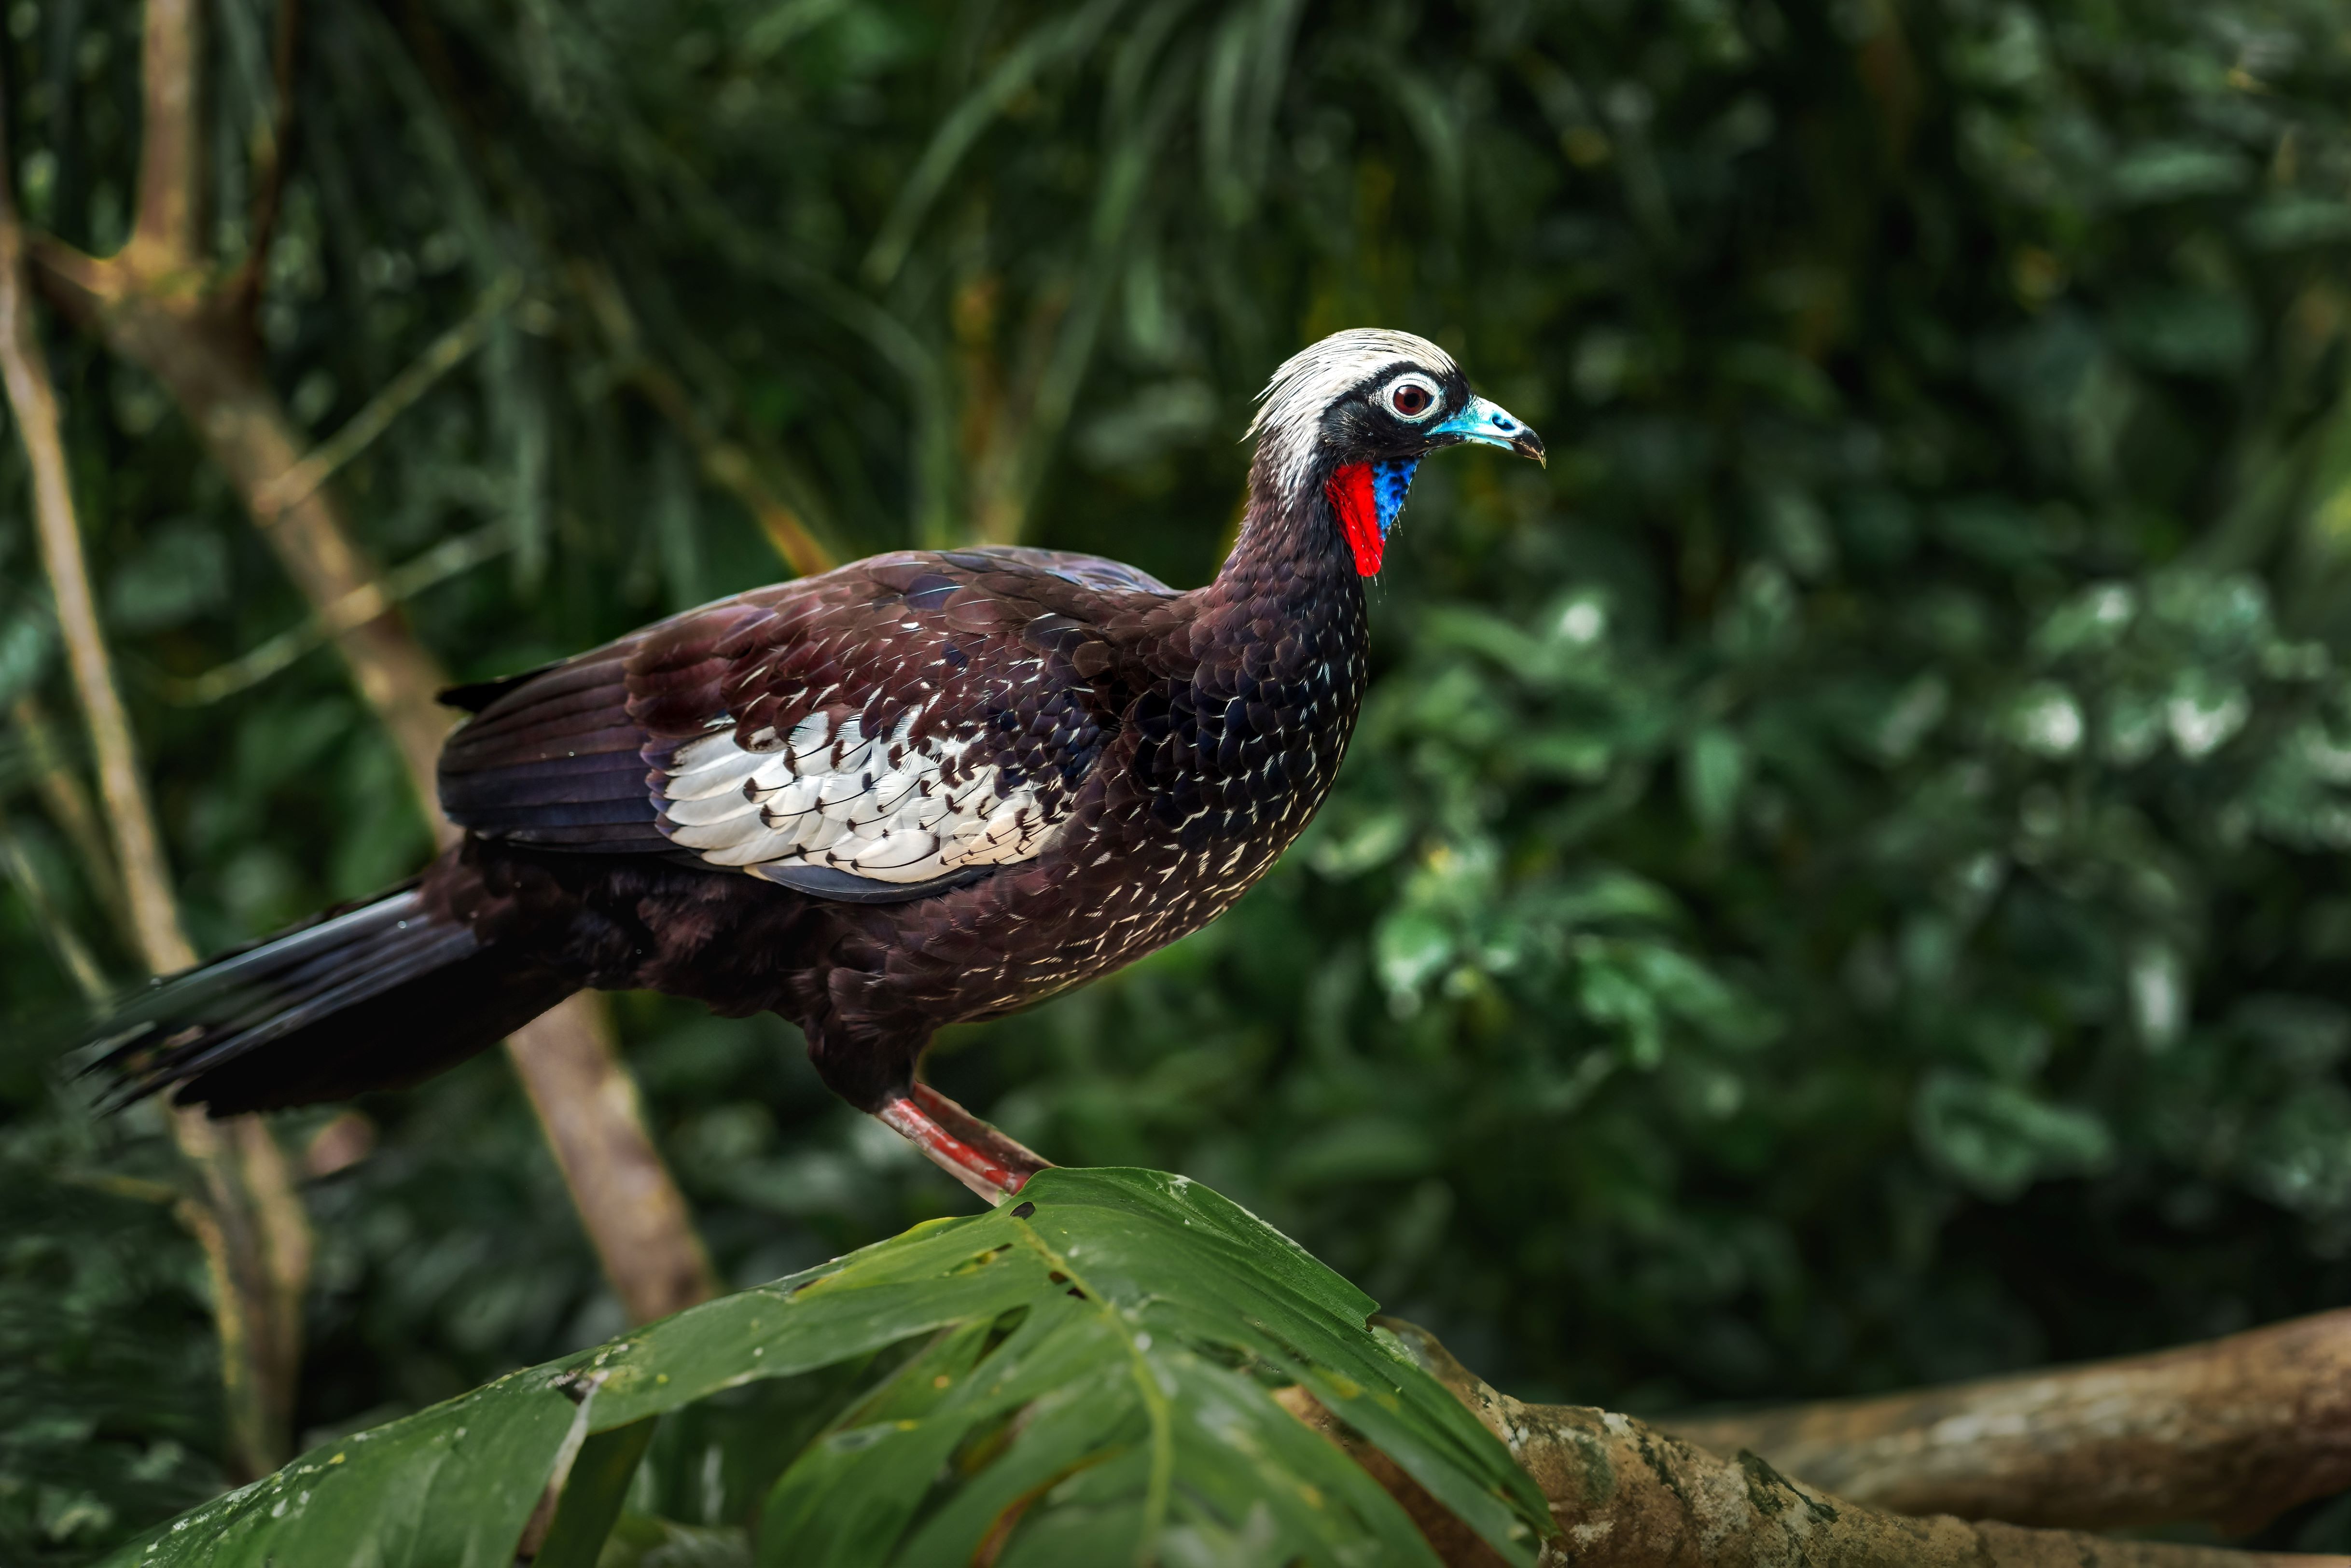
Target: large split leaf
(1085, 1377)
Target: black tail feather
(376, 997)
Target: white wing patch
(878, 807)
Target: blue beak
(1495, 426)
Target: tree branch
(220, 391)
(443, 354)
(254, 1235)
(457, 553)
(1625, 1495)
(69, 807)
(724, 463)
(72, 956)
(139, 851)
(273, 150)
(2234, 1432)
(570, 1066)
(159, 305)
(168, 228)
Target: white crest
(1290, 411)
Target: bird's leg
(1007, 1151)
(984, 1160)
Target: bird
(922, 788)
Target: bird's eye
(1412, 397)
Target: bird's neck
(1290, 567)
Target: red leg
(959, 1143)
(1006, 1151)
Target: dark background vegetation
(1840, 882)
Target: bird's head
(1352, 416)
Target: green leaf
(1714, 771)
(2000, 1139)
(2169, 171)
(182, 573)
(1051, 43)
(1412, 945)
(451, 1485)
(25, 644)
(1095, 1377)
(592, 1491)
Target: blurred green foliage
(1839, 884)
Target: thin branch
(222, 394)
(76, 281)
(724, 463)
(69, 807)
(656, 1264)
(203, 355)
(443, 354)
(272, 151)
(2233, 1432)
(642, 1229)
(254, 1235)
(139, 851)
(159, 306)
(458, 553)
(252, 438)
(168, 234)
(73, 957)
(1625, 1495)
(931, 439)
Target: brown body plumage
(921, 789)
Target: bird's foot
(984, 1160)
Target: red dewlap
(1349, 490)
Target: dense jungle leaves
(1840, 882)
(1085, 1377)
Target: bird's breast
(1246, 747)
(1210, 772)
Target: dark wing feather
(878, 732)
(848, 887)
(554, 762)
(473, 696)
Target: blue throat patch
(1390, 480)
